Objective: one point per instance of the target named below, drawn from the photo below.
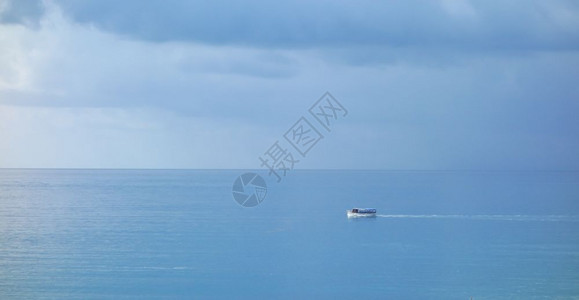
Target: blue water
(120, 234)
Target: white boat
(361, 212)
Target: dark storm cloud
(21, 11)
(467, 26)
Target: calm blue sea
(135, 234)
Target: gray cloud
(429, 25)
(430, 84)
(26, 12)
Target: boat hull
(351, 214)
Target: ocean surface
(170, 234)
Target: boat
(361, 212)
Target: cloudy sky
(448, 84)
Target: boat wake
(527, 218)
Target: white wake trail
(531, 218)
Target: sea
(180, 234)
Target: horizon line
(305, 169)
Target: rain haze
(474, 85)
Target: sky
(428, 85)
